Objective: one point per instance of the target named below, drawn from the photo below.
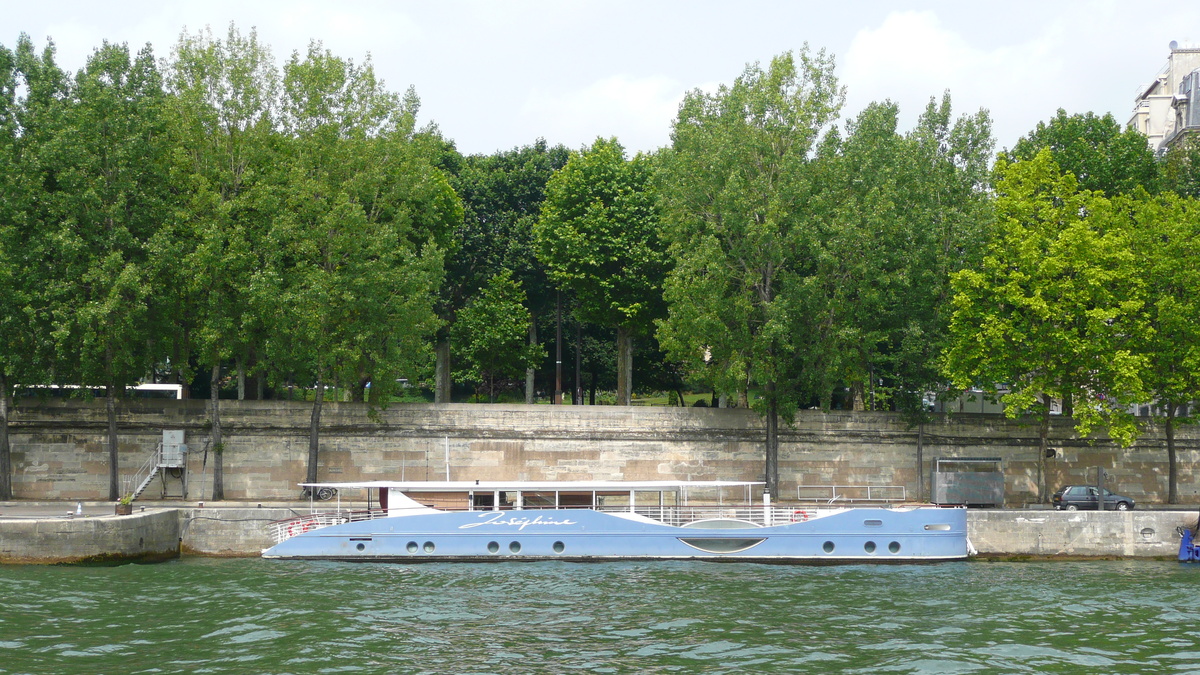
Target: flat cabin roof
(537, 486)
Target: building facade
(1168, 108)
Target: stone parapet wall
(146, 536)
(230, 531)
(59, 447)
(1128, 534)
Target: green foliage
(109, 163)
(1180, 167)
(735, 194)
(491, 333)
(354, 292)
(898, 214)
(736, 197)
(598, 235)
(502, 196)
(1096, 150)
(1054, 310)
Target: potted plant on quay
(125, 505)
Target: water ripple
(236, 616)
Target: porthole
(869, 547)
(515, 547)
(894, 547)
(493, 547)
(361, 546)
(559, 547)
(412, 547)
(828, 547)
(429, 547)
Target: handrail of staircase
(147, 468)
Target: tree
(1096, 150)
(1166, 238)
(900, 214)
(32, 99)
(598, 237)
(354, 294)
(12, 211)
(736, 188)
(502, 195)
(1054, 308)
(109, 163)
(224, 93)
(1180, 167)
(491, 330)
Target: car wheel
(1072, 507)
(1122, 506)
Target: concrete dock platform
(53, 532)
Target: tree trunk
(592, 392)
(772, 464)
(1043, 445)
(530, 372)
(577, 399)
(314, 431)
(920, 462)
(856, 391)
(110, 408)
(6, 492)
(558, 348)
(624, 366)
(1172, 467)
(241, 377)
(441, 378)
(218, 443)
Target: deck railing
(849, 494)
(668, 515)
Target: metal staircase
(145, 475)
(170, 453)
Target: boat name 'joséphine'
(498, 518)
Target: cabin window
(873, 523)
(938, 526)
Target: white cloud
(911, 56)
(636, 110)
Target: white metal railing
(668, 515)
(139, 481)
(286, 529)
(833, 494)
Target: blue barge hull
(845, 535)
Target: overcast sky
(495, 75)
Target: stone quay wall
(59, 449)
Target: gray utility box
(972, 481)
(174, 451)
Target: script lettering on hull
(519, 522)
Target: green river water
(202, 615)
